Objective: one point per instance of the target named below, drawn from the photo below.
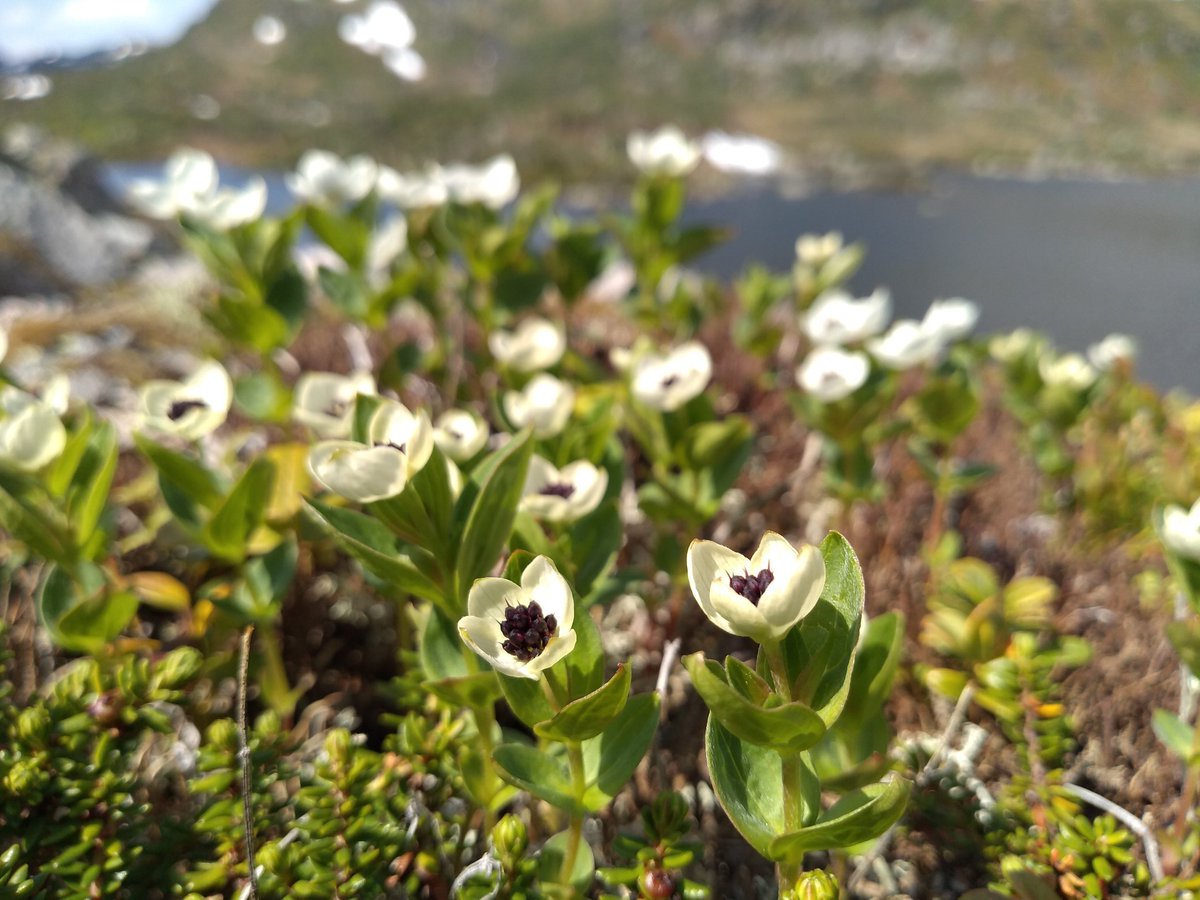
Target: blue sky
(32, 29)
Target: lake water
(1075, 259)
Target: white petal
(740, 615)
(489, 597)
(484, 637)
(32, 438)
(557, 648)
(544, 585)
(358, 472)
(795, 590)
(708, 561)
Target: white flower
(324, 179)
(400, 443)
(406, 64)
(951, 319)
(231, 207)
(1181, 531)
(357, 471)
(412, 191)
(545, 404)
(460, 434)
(495, 183)
(189, 409)
(1114, 349)
(387, 242)
(666, 151)
(521, 630)
(830, 373)
(1008, 348)
(614, 283)
(385, 26)
(905, 345)
(818, 249)
(269, 31)
(535, 344)
(761, 597)
(837, 318)
(562, 495)
(55, 393)
(668, 382)
(324, 401)
(743, 154)
(1070, 370)
(187, 176)
(31, 437)
(189, 187)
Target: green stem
(575, 834)
(792, 769)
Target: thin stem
(575, 834)
(244, 757)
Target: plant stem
(575, 835)
(244, 758)
(792, 769)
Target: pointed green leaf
(540, 774)
(748, 780)
(859, 816)
(610, 758)
(241, 512)
(591, 714)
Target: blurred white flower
(742, 154)
(562, 495)
(1114, 349)
(388, 241)
(400, 443)
(188, 409)
(31, 436)
(406, 64)
(761, 597)
(906, 344)
(837, 318)
(1070, 370)
(357, 471)
(189, 187)
(545, 405)
(667, 151)
(818, 249)
(521, 630)
(325, 179)
(460, 434)
(1008, 348)
(614, 283)
(535, 344)
(494, 183)
(384, 26)
(831, 374)
(412, 191)
(324, 401)
(668, 382)
(1181, 531)
(269, 31)
(951, 319)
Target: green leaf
(610, 758)
(186, 474)
(788, 728)
(550, 863)
(346, 291)
(857, 817)
(820, 649)
(874, 668)
(93, 478)
(375, 547)
(83, 616)
(748, 780)
(476, 691)
(591, 714)
(432, 485)
(595, 541)
(345, 234)
(1176, 735)
(442, 650)
(540, 774)
(241, 512)
(483, 516)
(584, 665)
(287, 295)
(527, 699)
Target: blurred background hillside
(852, 91)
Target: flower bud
(815, 885)
(339, 745)
(510, 839)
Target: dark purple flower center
(393, 445)
(752, 587)
(527, 631)
(559, 489)
(181, 408)
(670, 381)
